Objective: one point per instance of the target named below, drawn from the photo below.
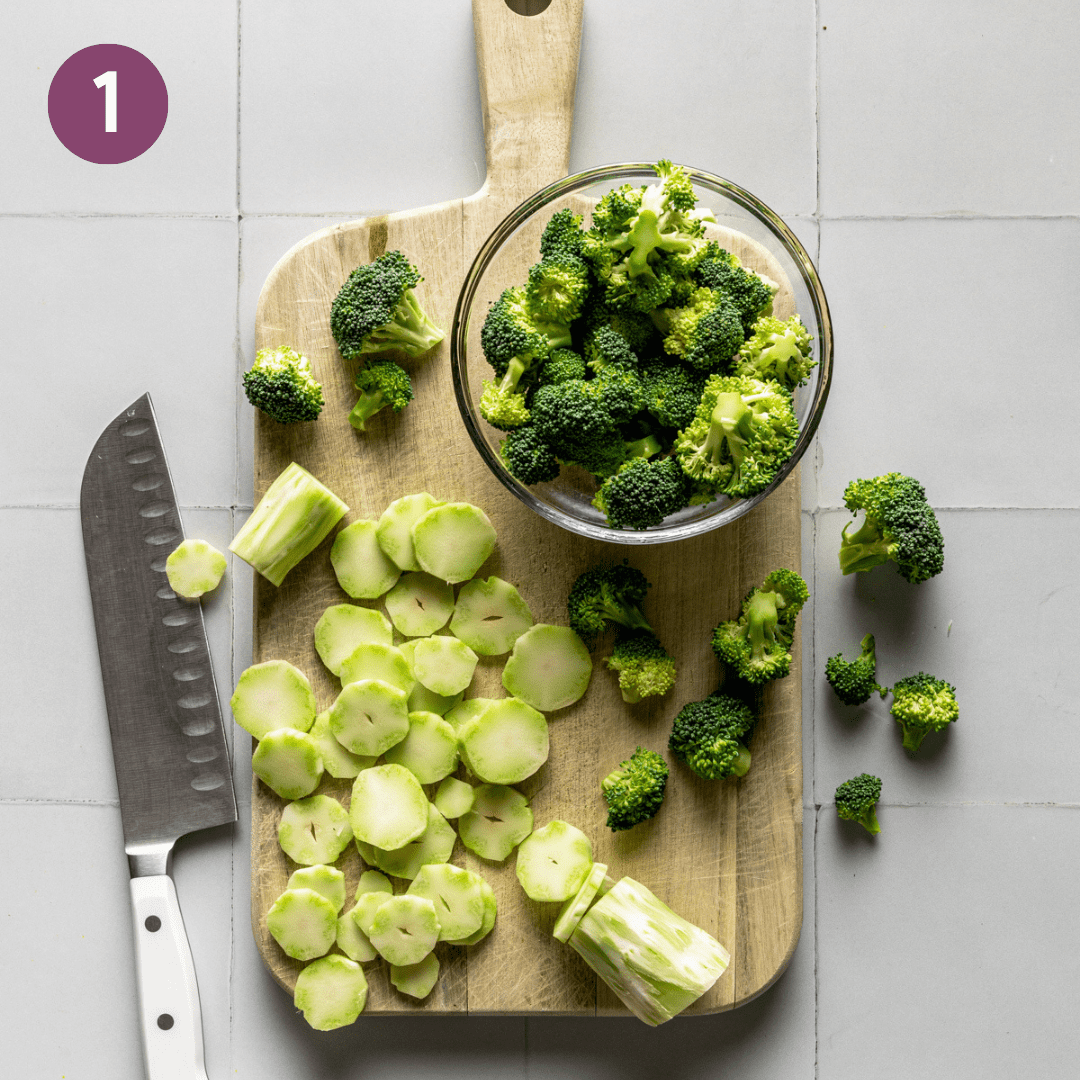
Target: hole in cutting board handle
(528, 7)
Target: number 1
(108, 80)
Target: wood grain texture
(725, 855)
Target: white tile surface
(103, 310)
(931, 108)
(933, 325)
(191, 169)
(1017, 686)
(55, 726)
(948, 946)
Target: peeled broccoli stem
(367, 405)
(865, 548)
(409, 327)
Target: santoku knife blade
(172, 763)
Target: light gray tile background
(928, 156)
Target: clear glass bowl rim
(569, 185)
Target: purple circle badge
(108, 104)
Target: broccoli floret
(607, 592)
(900, 525)
(645, 668)
(855, 680)
(621, 390)
(642, 493)
(528, 457)
(706, 332)
(636, 328)
(563, 234)
(376, 309)
(501, 406)
(557, 288)
(743, 432)
(572, 418)
(561, 365)
(708, 736)
(758, 644)
(856, 800)
(510, 335)
(752, 294)
(282, 385)
(605, 347)
(777, 350)
(381, 383)
(634, 791)
(672, 392)
(923, 703)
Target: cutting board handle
(528, 72)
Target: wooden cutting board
(726, 855)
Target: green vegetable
(314, 830)
(419, 604)
(573, 909)
(506, 743)
(923, 703)
(327, 880)
(634, 791)
(369, 716)
(499, 820)
(899, 525)
(303, 922)
(454, 797)
(288, 762)
(854, 681)
(382, 384)
(752, 294)
(642, 493)
(430, 749)
(343, 627)
(709, 736)
(490, 616)
(377, 309)
(706, 332)
(777, 350)
(528, 457)
(388, 808)
(607, 593)
(373, 660)
(405, 929)
(655, 961)
(458, 897)
(644, 666)
(549, 668)
(282, 385)
(361, 566)
(416, 980)
(433, 846)
(856, 800)
(331, 992)
(194, 568)
(290, 521)
(553, 862)
(757, 645)
(453, 540)
(394, 528)
(272, 695)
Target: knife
(172, 762)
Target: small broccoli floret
(642, 493)
(672, 392)
(708, 736)
(382, 384)
(528, 457)
(557, 288)
(634, 792)
(501, 406)
(900, 525)
(645, 668)
(752, 294)
(777, 350)
(605, 347)
(636, 328)
(706, 332)
(856, 800)
(923, 703)
(377, 309)
(854, 681)
(573, 419)
(743, 432)
(282, 385)
(607, 592)
(510, 335)
(621, 390)
(758, 644)
(563, 234)
(561, 364)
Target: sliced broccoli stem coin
(394, 530)
(328, 881)
(488, 924)
(352, 941)
(360, 565)
(416, 980)
(454, 797)
(290, 521)
(314, 830)
(194, 568)
(331, 992)
(288, 762)
(460, 714)
(457, 895)
(343, 627)
(337, 761)
(549, 667)
(499, 820)
(553, 862)
(363, 912)
(370, 716)
(405, 929)
(374, 661)
(273, 695)
(372, 881)
(444, 664)
(506, 743)
(303, 922)
(419, 604)
(388, 807)
(573, 909)
(453, 541)
(434, 845)
(490, 616)
(430, 749)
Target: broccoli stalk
(377, 309)
(856, 680)
(382, 384)
(634, 791)
(645, 668)
(856, 800)
(923, 703)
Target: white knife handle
(168, 994)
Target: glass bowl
(761, 240)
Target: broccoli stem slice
(864, 548)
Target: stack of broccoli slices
(643, 353)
